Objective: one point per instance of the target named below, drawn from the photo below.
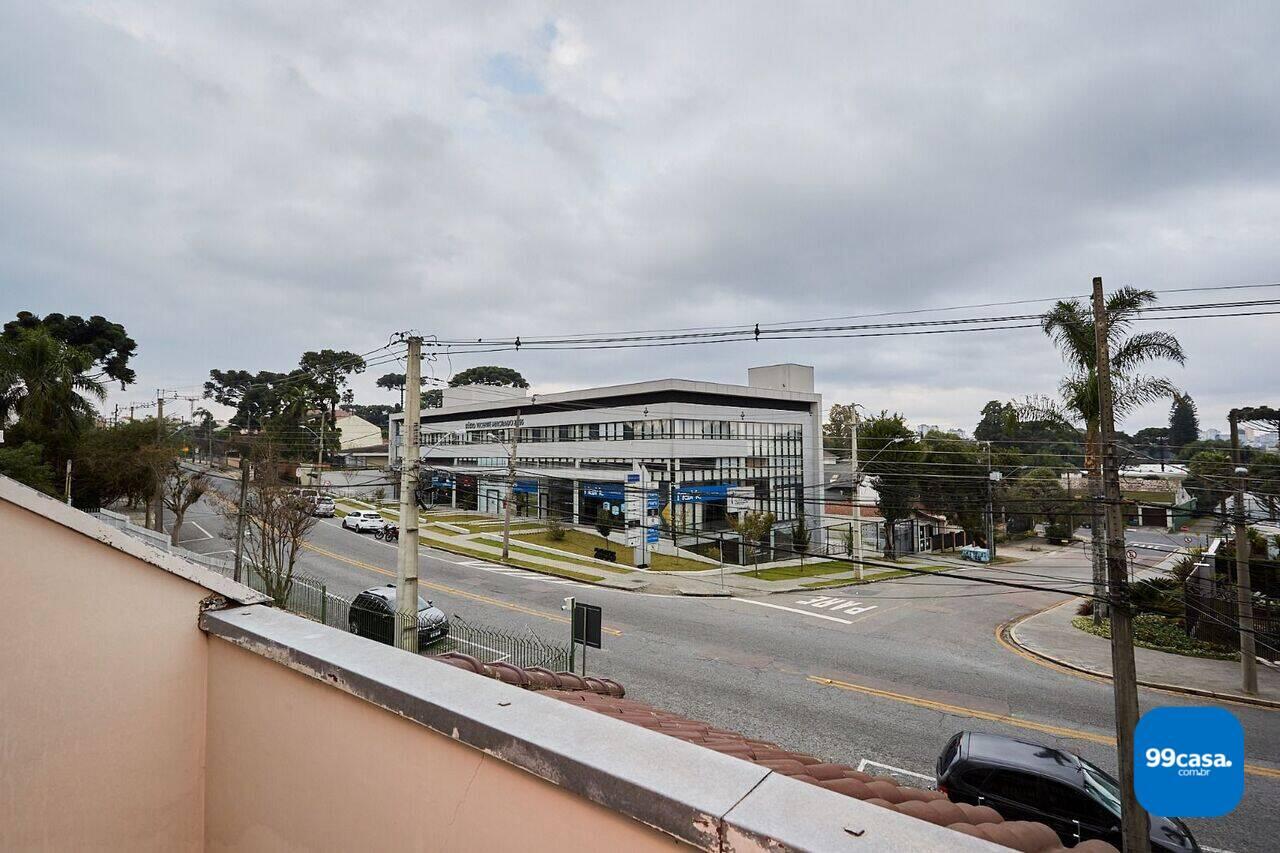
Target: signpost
(584, 628)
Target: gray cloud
(237, 183)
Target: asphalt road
(882, 673)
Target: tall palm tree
(43, 384)
(1070, 325)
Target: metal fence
(492, 645)
(310, 597)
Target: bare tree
(276, 525)
(180, 487)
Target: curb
(1008, 633)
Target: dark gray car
(1030, 781)
(372, 615)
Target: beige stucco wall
(295, 764)
(102, 695)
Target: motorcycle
(388, 533)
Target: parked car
(364, 521)
(372, 615)
(324, 507)
(1030, 781)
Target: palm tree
(1070, 325)
(43, 384)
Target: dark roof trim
(627, 400)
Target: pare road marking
(847, 606)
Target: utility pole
(511, 489)
(158, 515)
(68, 482)
(244, 495)
(857, 485)
(320, 452)
(991, 511)
(407, 557)
(1124, 677)
(1244, 585)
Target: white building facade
(669, 454)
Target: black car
(1029, 781)
(372, 615)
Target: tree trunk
(1093, 464)
(177, 526)
(890, 547)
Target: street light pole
(511, 489)
(407, 555)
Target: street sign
(740, 498)
(1131, 554)
(586, 624)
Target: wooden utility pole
(320, 452)
(240, 516)
(857, 486)
(1124, 677)
(157, 515)
(407, 556)
(1244, 585)
(511, 489)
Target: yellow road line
(439, 587)
(961, 711)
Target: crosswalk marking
(518, 573)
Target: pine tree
(1184, 425)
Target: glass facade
(768, 456)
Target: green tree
(800, 537)
(256, 397)
(329, 371)
(1184, 424)
(106, 343)
(1070, 324)
(953, 487)
(1210, 479)
(837, 432)
(25, 463)
(604, 524)
(754, 527)
(117, 463)
(1264, 481)
(489, 374)
(44, 384)
(893, 457)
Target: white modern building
(697, 451)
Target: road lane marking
(961, 711)
(867, 762)
(792, 610)
(439, 587)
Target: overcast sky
(239, 182)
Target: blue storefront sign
(525, 487)
(701, 494)
(604, 491)
(441, 482)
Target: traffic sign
(586, 624)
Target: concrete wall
(102, 694)
(298, 764)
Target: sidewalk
(1050, 635)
